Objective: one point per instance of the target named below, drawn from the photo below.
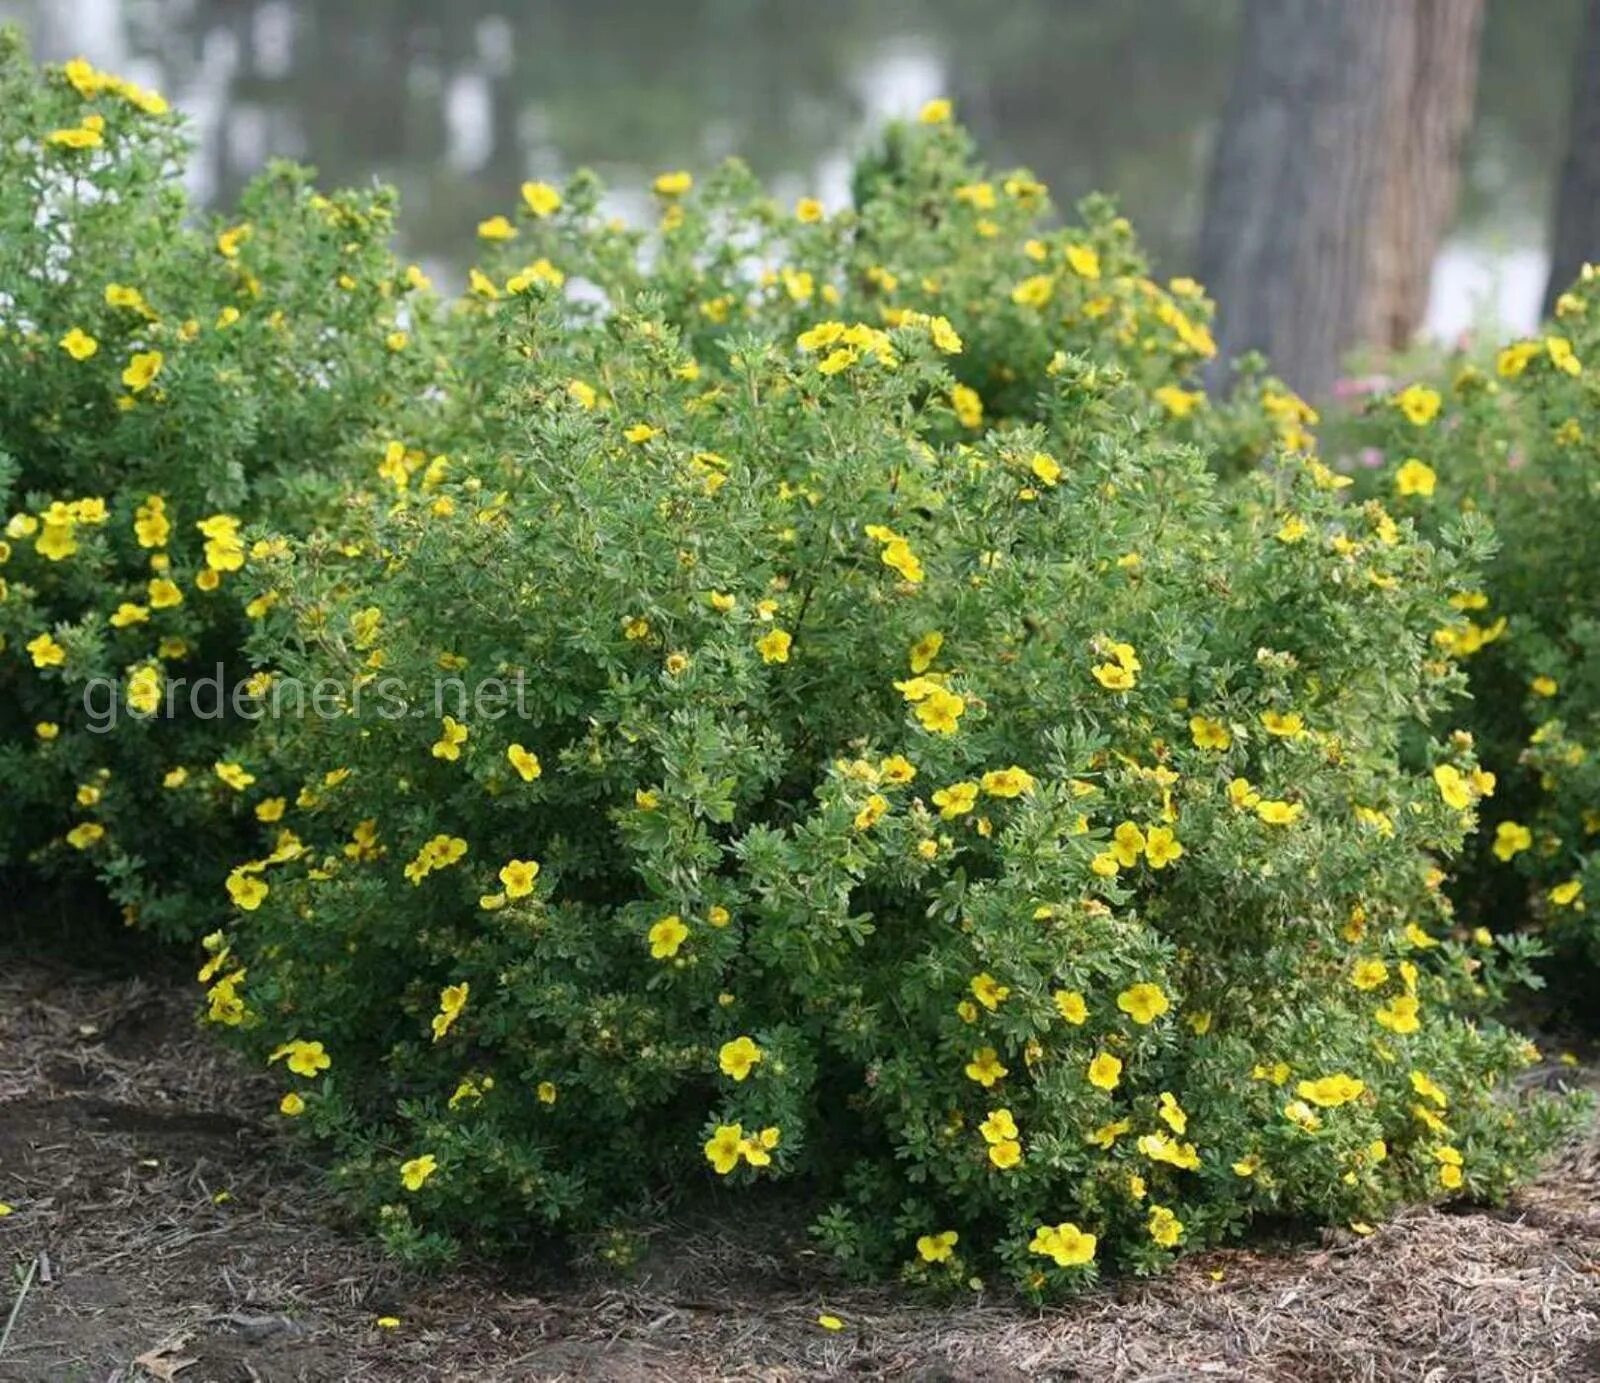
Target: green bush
(166, 384)
(1511, 438)
(775, 697)
(1010, 838)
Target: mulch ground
(161, 1229)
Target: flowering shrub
(932, 234)
(165, 386)
(1513, 440)
(734, 775)
(773, 697)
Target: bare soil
(161, 1230)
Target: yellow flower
(517, 877)
(897, 770)
(79, 344)
(1293, 529)
(724, 1148)
(773, 646)
(292, 1105)
(1425, 1086)
(940, 711)
(672, 184)
(988, 991)
(666, 936)
(496, 228)
(1284, 726)
(1399, 1015)
(739, 1057)
(1159, 1148)
(415, 1172)
(452, 1000)
(46, 652)
(1005, 1154)
(1275, 813)
(1209, 734)
(1165, 1227)
(998, 1126)
(1083, 260)
(144, 691)
(1144, 1003)
(236, 776)
(828, 1322)
(1064, 1244)
(1105, 1071)
(1107, 1134)
(935, 112)
(452, 735)
(1415, 478)
(582, 394)
(1071, 1006)
(956, 800)
(1565, 895)
(967, 405)
(944, 336)
(142, 369)
(1172, 1114)
(1180, 403)
(1510, 838)
(84, 136)
(1453, 787)
(985, 1067)
(937, 1248)
(1120, 674)
(1559, 349)
(1046, 469)
(1329, 1092)
(150, 524)
(1127, 844)
(1513, 360)
(899, 556)
(1161, 847)
(525, 762)
(546, 1092)
(246, 890)
(1419, 403)
(85, 834)
(1007, 782)
(541, 199)
(1034, 291)
(1368, 973)
(306, 1059)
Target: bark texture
(1335, 175)
(1576, 236)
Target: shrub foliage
(780, 696)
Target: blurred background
(456, 101)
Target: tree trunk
(1334, 177)
(1576, 238)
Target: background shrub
(168, 382)
(1510, 437)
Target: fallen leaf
(166, 1361)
